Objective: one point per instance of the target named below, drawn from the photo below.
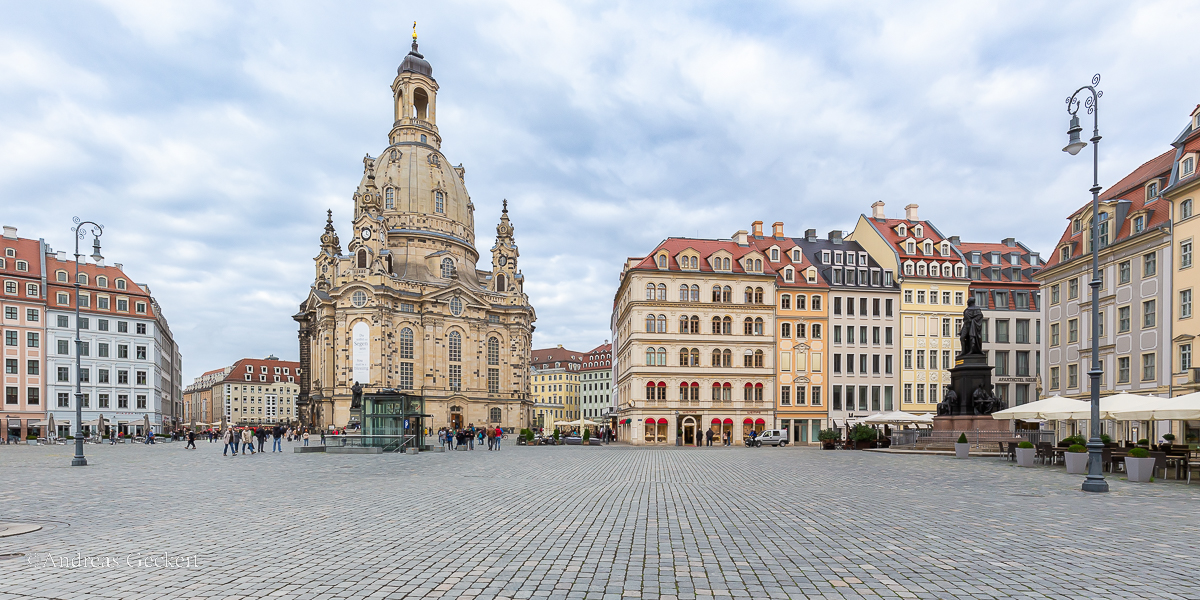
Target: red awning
(759, 422)
(728, 421)
(727, 384)
(716, 422)
(748, 420)
(695, 384)
(757, 385)
(749, 385)
(715, 384)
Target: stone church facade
(404, 307)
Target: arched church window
(494, 415)
(389, 198)
(362, 259)
(500, 283)
(406, 343)
(447, 268)
(455, 347)
(493, 353)
(439, 202)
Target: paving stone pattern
(585, 522)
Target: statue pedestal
(970, 373)
(969, 423)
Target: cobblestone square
(582, 522)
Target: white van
(773, 437)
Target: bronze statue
(948, 403)
(984, 401)
(971, 336)
(356, 402)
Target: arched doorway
(689, 431)
(727, 430)
(456, 417)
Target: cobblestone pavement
(583, 522)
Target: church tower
(406, 306)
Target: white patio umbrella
(896, 417)
(1110, 406)
(1052, 408)
(1179, 408)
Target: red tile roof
(764, 244)
(706, 248)
(133, 291)
(239, 372)
(546, 357)
(601, 355)
(1131, 188)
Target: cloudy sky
(209, 137)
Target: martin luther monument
(970, 400)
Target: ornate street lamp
(82, 229)
(1095, 478)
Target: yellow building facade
(933, 294)
(554, 386)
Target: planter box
(31, 442)
(962, 450)
(1025, 456)
(1139, 469)
(1077, 463)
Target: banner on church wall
(360, 340)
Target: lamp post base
(1090, 485)
(78, 461)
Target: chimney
(740, 238)
(877, 210)
(954, 240)
(810, 235)
(118, 266)
(777, 229)
(1010, 242)
(62, 255)
(757, 227)
(835, 236)
(10, 232)
(910, 212)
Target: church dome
(414, 62)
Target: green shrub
(1025, 445)
(1139, 453)
(556, 435)
(829, 435)
(70, 437)
(1105, 438)
(1077, 448)
(1143, 442)
(1170, 437)
(962, 438)
(587, 434)
(862, 433)
(32, 436)
(1072, 440)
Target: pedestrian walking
(229, 443)
(191, 437)
(499, 435)
(247, 441)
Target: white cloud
(210, 137)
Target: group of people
(245, 437)
(457, 438)
(726, 437)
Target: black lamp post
(1095, 478)
(82, 229)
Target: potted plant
(863, 436)
(1077, 459)
(1107, 441)
(1144, 442)
(1025, 454)
(827, 437)
(678, 437)
(1139, 465)
(31, 439)
(522, 440)
(1169, 438)
(587, 436)
(555, 437)
(962, 448)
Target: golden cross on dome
(414, 30)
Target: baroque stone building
(405, 307)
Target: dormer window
(796, 256)
(1064, 254)
(921, 269)
(928, 248)
(787, 274)
(825, 257)
(1075, 226)
(945, 248)
(774, 254)
(908, 268)
(120, 284)
(811, 275)
(911, 247)
(837, 258)
(902, 231)
(919, 231)
(1187, 166)
(862, 259)
(1151, 191)
(959, 270)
